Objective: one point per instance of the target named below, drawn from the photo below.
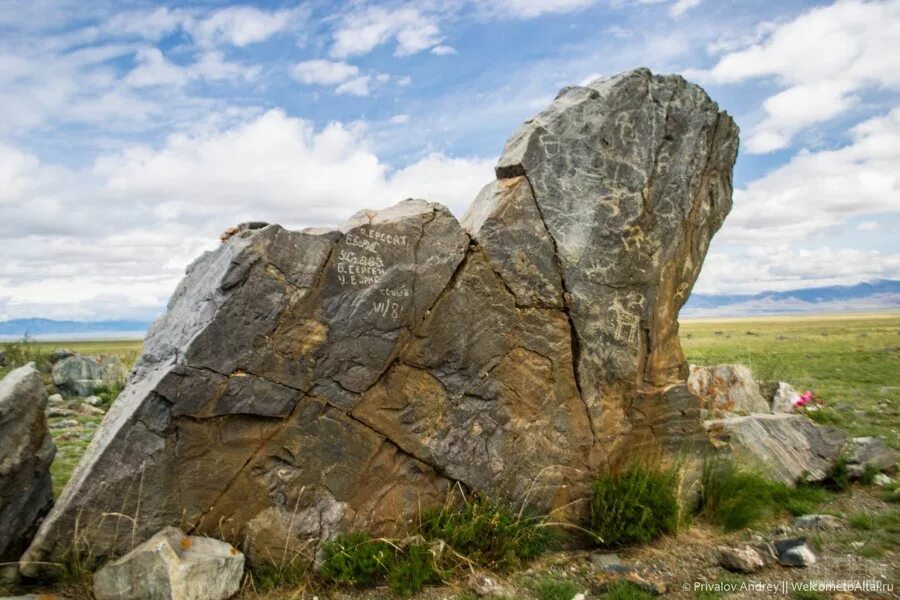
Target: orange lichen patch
(46, 597)
(233, 551)
(186, 543)
(239, 373)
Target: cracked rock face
(26, 451)
(306, 383)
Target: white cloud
(400, 119)
(118, 234)
(784, 267)
(527, 9)
(443, 50)
(323, 72)
(823, 58)
(816, 192)
(682, 6)
(241, 25)
(154, 69)
(868, 226)
(361, 32)
(355, 87)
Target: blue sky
(133, 132)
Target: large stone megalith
(305, 383)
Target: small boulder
(882, 480)
(81, 375)
(766, 552)
(726, 390)
(93, 400)
(788, 447)
(740, 560)
(795, 552)
(26, 451)
(54, 399)
(784, 398)
(60, 354)
(172, 565)
(869, 453)
(818, 522)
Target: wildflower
(803, 399)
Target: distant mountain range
(44, 328)
(881, 294)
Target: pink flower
(803, 399)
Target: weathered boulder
(869, 453)
(795, 552)
(726, 390)
(786, 447)
(741, 560)
(81, 375)
(308, 382)
(26, 451)
(784, 398)
(173, 566)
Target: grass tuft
(735, 498)
(627, 591)
(634, 505)
(555, 589)
(490, 532)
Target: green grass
(879, 532)
(734, 498)
(634, 505)
(851, 362)
(555, 589)
(627, 591)
(490, 532)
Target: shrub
(26, 351)
(634, 505)
(413, 570)
(356, 560)
(108, 393)
(489, 532)
(734, 498)
(838, 476)
(554, 589)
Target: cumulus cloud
(818, 191)
(823, 59)
(118, 234)
(528, 9)
(362, 31)
(240, 25)
(784, 267)
(323, 72)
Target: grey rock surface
(818, 522)
(795, 552)
(783, 400)
(26, 451)
(869, 453)
(173, 566)
(741, 560)
(81, 375)
(786, 447)
(726, 390)
(306, 383)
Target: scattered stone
(795, 552)
(766, 552)
(55, 399)
(60, 354)
(54, 412)
(601, 560)
(726, 390)
(173, 566)
(64, 424)
(26, 451)
(788, 447)
(349, 379)
(86, 410)
(784, 398)
(818, 522)
(93, 400)
(740, 560)
(882, 480)
(869, 453)
(487, 586)
(81, 375)
(579, 596)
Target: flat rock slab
(26, 452)
(787, 447)
(304, 383)
(173, 566)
